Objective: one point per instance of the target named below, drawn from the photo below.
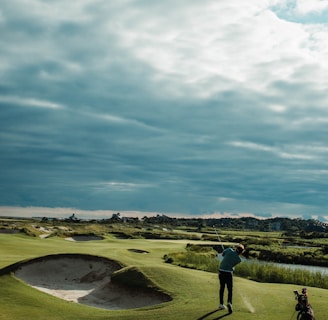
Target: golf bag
(303, 307)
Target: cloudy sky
(176, 107)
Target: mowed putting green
(194, 293)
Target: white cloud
(285, 151)
(223, 199)
(277, 108)
(54, 13)
(310, 121)
(121, 120)
(305, 7)
(30, 102)
(199, 49)
(210, 48)
(119, 186)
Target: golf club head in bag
(305, 311)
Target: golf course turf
(194, 293)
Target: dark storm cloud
(120, 106)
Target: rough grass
(272, 273)
(204, 258)
(195, 293)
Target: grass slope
(195, 293)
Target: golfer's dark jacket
(230, 259)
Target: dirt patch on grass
(87, 280)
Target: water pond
(313, 269)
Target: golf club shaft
(219, 238)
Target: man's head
(240, 248)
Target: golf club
(218, 238)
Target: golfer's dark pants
(225, 280)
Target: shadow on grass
(212, 312)
(227, 314)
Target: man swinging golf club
(231, 257)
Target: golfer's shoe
(230, 307)
(222, 307)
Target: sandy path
(85, 280)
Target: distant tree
(116, 217)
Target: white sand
(85, 280)
(83, 238)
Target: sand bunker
(85, 279)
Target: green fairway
(194, 293)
